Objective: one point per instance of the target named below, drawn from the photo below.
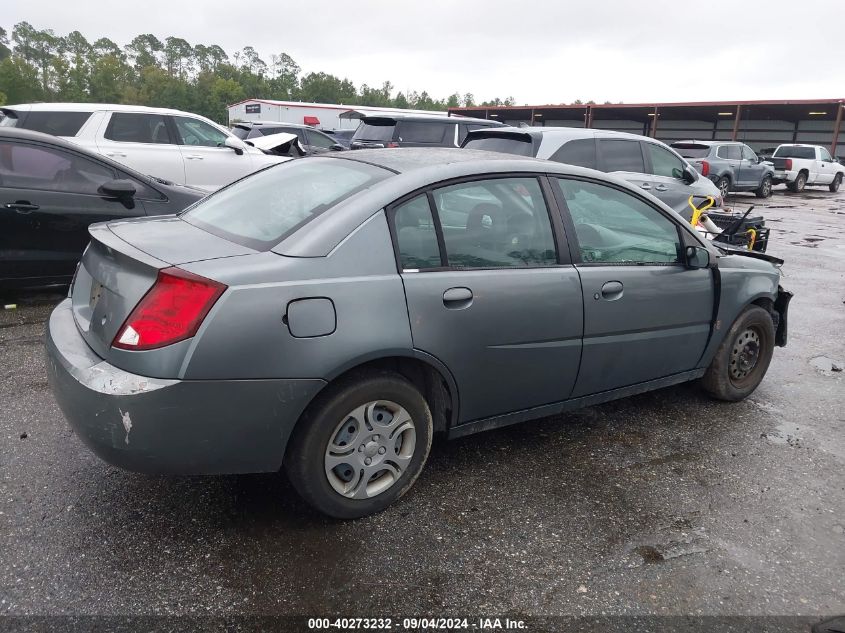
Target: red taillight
(787, 164)
(392, 144)
(171, 311)
(705, 168)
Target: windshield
(501, 144)
(691, 150)
(261, 210)
(794, 151)
(375, 131)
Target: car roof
(406, 159)
(560, 133)
(90, 107)
(401, 116)
(274, 123)
(707, 143)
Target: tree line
(39, 65)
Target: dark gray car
(331, 314)
(642, 161)
(310, 140)
(731, 166)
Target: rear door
(48, 198)
(731, 157)
(489, 293)
(646, 315)
(624, 158)
(144, 142)
(208, 162)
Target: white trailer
(326, 116)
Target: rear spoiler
(493, 132)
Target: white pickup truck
(800, 165)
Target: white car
(800, 165)
(177, 146)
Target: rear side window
(729, 152)
(520, 147)
(381, 132)
(793, 151)
(132, 127)
(416, 235)
(55, 123)
(24, 166)
(424, 131)
(664, 162)
(622, 155)
(691, 150)
(261, 210)
(498, 223)
(580, 152)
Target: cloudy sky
(538, 52)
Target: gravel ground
(665, 503)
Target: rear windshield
(506, 145)
(793, 151)
(55, 123)
(425, 131)
(261, 210)
(691, 150)
(375, 131)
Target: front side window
(664, 162)
(261, 210)
(497, 223)
(748, 153)
(416, 235)
(622, 155)
(825, 155)
(615, 227)
(132, 127)
(199, 133)
(24, 166)
(580, 152)
(315, 139)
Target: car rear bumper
(781, 176)
(156, 425)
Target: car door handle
(646, 185)
(22, 206)
(193, 157)
(116, 154)
(457, 298)
(611, 291)
(661, 187)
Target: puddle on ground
(827, 366)
(784, 434)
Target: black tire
(765, 188)
(797, 185)
(306, 453)
(721, 379)
(834, 186)
(724, 185)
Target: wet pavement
(665, 503)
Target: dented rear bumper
(167, 426)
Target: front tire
(837, 181)
(360, 446)
(797, 186)
(743, 357)
(765, 188)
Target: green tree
(19, 80)
(453, 101)
(73, 67)
(110, 78)
(5, 51)
(325, 88)
(144, 50)
(401, 101)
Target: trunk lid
(121, 264)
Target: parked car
(177, 146)
(731, 166)
(802, 165)
(415, 130)
(643, 161)
(51, 190)
(329, 315)
(311, 140)
(344, 137)
(766, 153)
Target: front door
(667, 170)
(751, 171)
(208, 162)
(646, 315)
(488, 293)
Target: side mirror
(236, 144)
(120, 189)
(337, 147)
(697, 257)
(689, 175)
(761, 159)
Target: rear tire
(837, 181)
(743, 357)
(724, 185)
(360, 445)
(765, 188)
(797, 186)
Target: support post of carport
(737, 117)
(588, 117)
(532, 117)
(840, 107)
(653, 132)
